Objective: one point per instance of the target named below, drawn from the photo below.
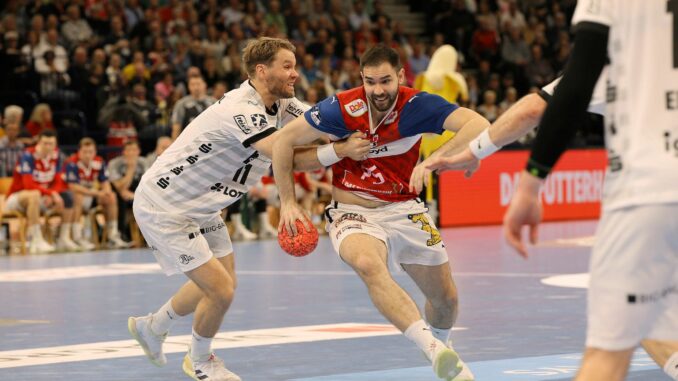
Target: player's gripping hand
(525, 209)
(420, 175)
(356, 146)
(465, 161)
(289, 214)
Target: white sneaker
(242, 234)
(67, 244)
(115, 242)
(464, 375)
(39, 246)
(445, 361)
(212, 369)
(140, 329)
(85, 244)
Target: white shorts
(12, 204)
(409, 233)
(633, 292)
(179, 243)
(87, 203)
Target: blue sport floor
(64, 317)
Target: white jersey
(212, 163)
(597, 104)
(641, 124)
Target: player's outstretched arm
(525, 209)
(467, 124)
(569, 102)
(513, 124)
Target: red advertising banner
(572, 191)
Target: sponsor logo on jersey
(259, 121)
(350, 217)
(315, 115)
(241, 121)
(356, 108)
(228, 191)
(347, 227)
(378, 150)
(391, 117)
(293, 109)
(420, 218)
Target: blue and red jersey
(385, 173)
(32, 173)
(77, 172)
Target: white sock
(112, 227)
(201, 347)
(77, 231)
(671, 366)
(421, 335)
(264, 223)
(442, 334)
(164, 319)
(35, 232)
(237, 219)
(65, 231)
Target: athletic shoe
(212, 369)
(445, 361)
(39, 246)
(85, 244)
(115, 242)
(140, 329)
(67, 244)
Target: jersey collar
(386, 115)
(273, 111)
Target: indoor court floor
(64, 316)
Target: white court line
(115, 269)
(586, 241)
(175, 344)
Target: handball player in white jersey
(220, 154)
(633, 292)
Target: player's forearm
(176, 128)
(120, 185)
(106, 187)
(305, 158)
(570, 99)
(518, 120)
(468, 132)
(283, 156)
(77, 188)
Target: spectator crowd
(126, 76)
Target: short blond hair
(13, 113)
(263, 51)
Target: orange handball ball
(301, 244)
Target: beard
(383, 103)
(280, 89)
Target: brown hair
(86, 142)
(263, 51)
(379, 54)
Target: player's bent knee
(222, 294)
(368, 266)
